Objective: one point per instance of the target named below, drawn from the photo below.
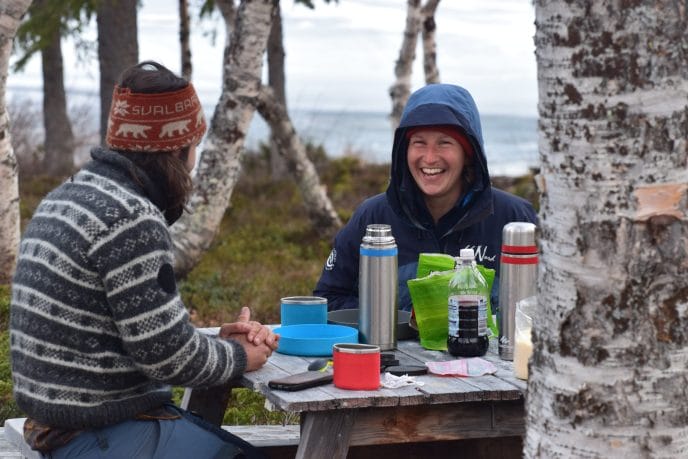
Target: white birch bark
(403, 69)
(319, 207)
(429, 26)
(219, 165)
(11, 12)
(610, 365)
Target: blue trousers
(184, 438)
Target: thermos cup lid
(378, 234)
(303, 300)
(466, 254)
(517, 236)
(348, 348)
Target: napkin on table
(474, 366)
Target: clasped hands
(257, 340)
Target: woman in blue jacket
(439, 199)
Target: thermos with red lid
(518, 279)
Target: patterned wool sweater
(98, 332)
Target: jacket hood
(439, 104)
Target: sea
(510, 141)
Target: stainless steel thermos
(377, 288)
(518, 279)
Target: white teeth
(432, 171)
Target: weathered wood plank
(505, 371)
(502, 386)
(446, 389)
(7, 449)
(14, 434)
(326, 434)
(493, 388)
(358, 398)
(438, 422)
(263, 436)
(298, 401)
(509, 416)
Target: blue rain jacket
(476, 221)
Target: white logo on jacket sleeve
(329, 264)
(481, 253)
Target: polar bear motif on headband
(180, 127)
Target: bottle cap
(466, 254)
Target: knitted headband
(446, 130)
(154, 122)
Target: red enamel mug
(356, 366)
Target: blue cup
(296, 310)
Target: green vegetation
(8, 409)
(265, 249)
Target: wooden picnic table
(443, 408)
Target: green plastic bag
(434, 262)
(430, 294)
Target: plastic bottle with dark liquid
(468, 333)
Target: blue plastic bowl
(313, 339)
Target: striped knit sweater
(98, 332)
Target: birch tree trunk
(403, 69)
(419, 19)
(432, 73)
(610, 365)
(320, 209)
(11, 12)
(277, 81)
(184, 39)
(219, 165)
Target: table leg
(325, 434)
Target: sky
(341, 56)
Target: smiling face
(436, 161)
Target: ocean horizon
(510, 140)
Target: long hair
(167, 169)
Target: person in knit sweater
(98, 331)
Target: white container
(523, 349)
